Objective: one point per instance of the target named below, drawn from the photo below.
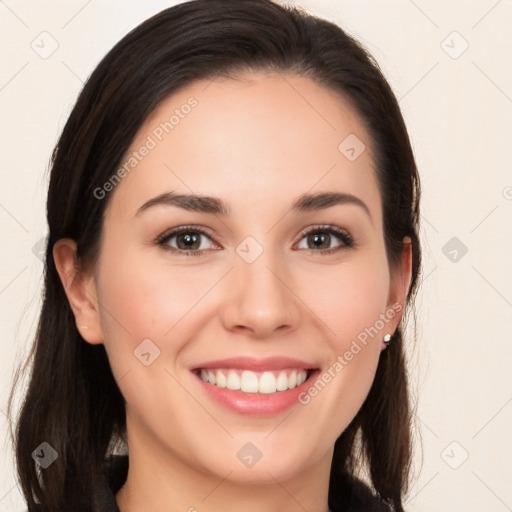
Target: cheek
(142, 301)
(350, 300)
(348, 297)
(141, 319)
(151, 300)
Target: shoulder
(356, 496)
(115, 471)
(363, 499)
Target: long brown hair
(72, 401)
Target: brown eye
(186, 240)
(319, 240)
(323, 240)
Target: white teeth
(292, 379)
(267, 383)
(255, 382)
(282, 382)
(222, 382)
(233, 381)
(249, 382)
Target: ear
(399, 285)
(80, 289)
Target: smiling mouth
(247, 381)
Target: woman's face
(257, 289)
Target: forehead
(266, 135)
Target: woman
(233, 241)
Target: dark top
(361, 498)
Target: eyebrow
(213, 205)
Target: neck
(161, 481)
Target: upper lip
(253, 364)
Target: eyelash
(346, 239)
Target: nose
(260, 300)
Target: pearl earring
(387, 339)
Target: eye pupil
(319, 238)
(189, 240)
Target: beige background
(458, 108)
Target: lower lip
(257, 404)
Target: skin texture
(257, 143)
